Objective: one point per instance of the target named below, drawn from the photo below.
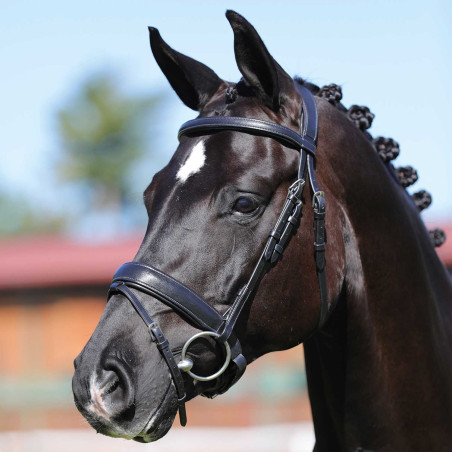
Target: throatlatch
(135, 276)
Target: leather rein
(135, 276)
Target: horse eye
(245, 205)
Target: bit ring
(216, 374)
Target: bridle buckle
(152, 326)
(296, 189)
(316, 196)
(299, 182)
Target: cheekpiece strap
(310, 128)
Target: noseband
(135, 277)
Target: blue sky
(393, 56)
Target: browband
(249, 125)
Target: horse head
(210, 211)
(193, 308)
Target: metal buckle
(317, 194)
(298, 181)
(153, 325)
(296, 189)
(186, 364)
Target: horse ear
(256, 64)
(194, 82)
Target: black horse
(379, 369)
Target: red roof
(57, 261)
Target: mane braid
(387, 148)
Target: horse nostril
(117, 389)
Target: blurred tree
(104, 133)
(19, 217)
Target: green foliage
(18, 217)
(103, 134)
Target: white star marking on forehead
(193, 164)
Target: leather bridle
(137, 277)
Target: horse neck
(381, 372)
